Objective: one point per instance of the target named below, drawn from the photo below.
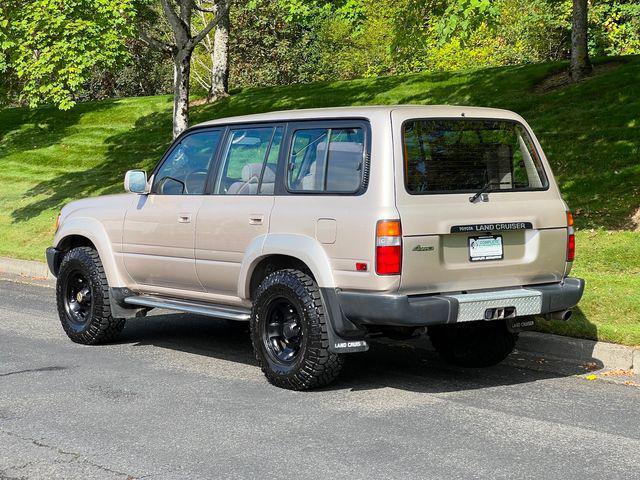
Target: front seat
(250, 177)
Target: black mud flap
(354, 341)
(520, 324)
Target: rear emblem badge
(423, 248)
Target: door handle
(184, 218)
(256, 219)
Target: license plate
(484, 248)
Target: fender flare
(302, 247)
(94, 231)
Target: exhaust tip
(559, 315)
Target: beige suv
(325, 228)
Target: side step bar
(226, 312)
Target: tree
(50, 48)
(220, 69)
(180, 17)
(212, 65)
(580, 64)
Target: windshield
(465, 155)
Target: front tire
(82, 294)
(473, 344)
(289, 332)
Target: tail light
(388, 247)
(571, 238)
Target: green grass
(590, 132)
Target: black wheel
(289, 332)
(82, 294)
(473, 344)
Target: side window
(243, 166)
(326, 160)
(185, 170)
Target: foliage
(266, 49)
(463, 17)
(54, 46)
(615, 27)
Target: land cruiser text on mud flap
(324, 228)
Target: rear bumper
(54, 257)
(424, 310)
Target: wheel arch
(278, 251)
(88, 232)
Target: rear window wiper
(486, 189)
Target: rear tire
(473, 344)
(82, 294)
(289, 332)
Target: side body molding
(96, 232)
(302, 247)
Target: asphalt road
(180, 397)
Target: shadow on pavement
(409, 365)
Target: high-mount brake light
(388, 247)
(571, 238)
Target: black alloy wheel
(282, 334)
(78, 301)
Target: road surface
(181, 397)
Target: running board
(226, 312)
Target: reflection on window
(463, 155)
(185, 170)
(326, 160)
(244, 168)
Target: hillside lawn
(590, 132)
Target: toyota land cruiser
(324, 228)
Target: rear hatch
(478, 205)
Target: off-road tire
(473, 344)
(315, 366)
(101, 327)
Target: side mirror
(135, 181)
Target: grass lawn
(590, 132)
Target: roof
(366, 111)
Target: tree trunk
(181, 72)
(220, 57)
(580, 64)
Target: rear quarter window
(326, 160)
(465, 155)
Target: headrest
(345, 147)
(252, 171)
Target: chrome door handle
(256, 219)
(184, 218)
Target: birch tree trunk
(181, 73)
(220, 57)
(580, 64)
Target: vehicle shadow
(405, 365)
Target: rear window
(466, 155)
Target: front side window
(249, 161)
(185, 170)
(326, 160)
(466, 155)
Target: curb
(610, 356)
(605, 355)
(25, 270)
